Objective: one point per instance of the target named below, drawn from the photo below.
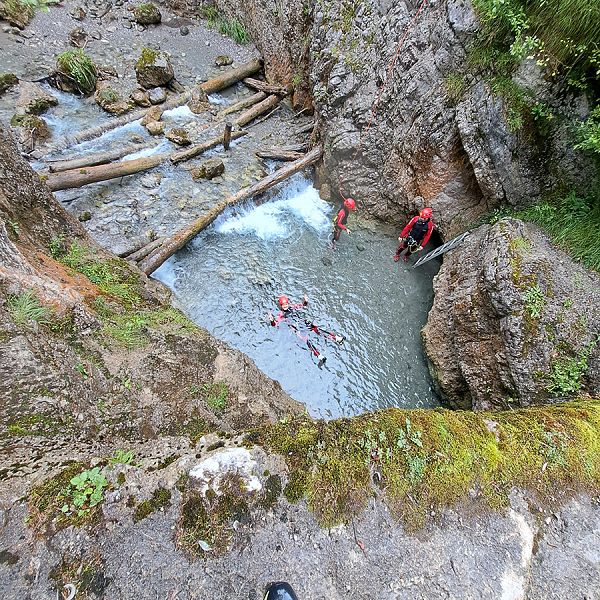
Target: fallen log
(278, 154)
(263, 86)
(182, 155)
(241, 104)
(306, 129)
(79, 177)
(183, 236)
(91, 160)
(212, 85)
(258, 109)
(145, 250)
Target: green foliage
(79, 68)
(108, 96)
(7, 80)
(534, 301)
(516, 101)
(229, 27)
(455, 86)
(567, 370)
(216, 395)
(121, 457)
(85, 492)
(147, 57)
(25, 308)
(572, 222)
(588, 133)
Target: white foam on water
(274, 219)
(178, 114)
(167, 273)
(162, 147)
(217, 99)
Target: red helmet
(350, 203)
(426, 213)
(283, 300)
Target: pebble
(184, 30)
(207, 43)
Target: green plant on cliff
(25, 308)
(589, 133)
(567, 370)
(85, 492)
(534, 301)
(76, 65)
(229, 27)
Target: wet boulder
(157, 95)
(155, 127)
(511, 323)
(154, 114)
(147, 14)
(141, 98)
(223, 60)
(7, 80)
(178, 136)
(31, 129)
(213, 167)
(17, 12)
(33, 99)
(198, 102)
(109, 99)
(153, 69)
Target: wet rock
(178, 136)
(507, 314)
(198, 102)
(86, 215)
(78, 13)
(223, 60)
(7, 80)
(140, 97)
(153, 68)
(360, 247)
(157, 95)
(155, 127)
(147, 14)
(78, 37)
(184, 30)
(33, 99)
(213, 167)
(326, 261)
(31, 129)
(154, 114)
(16, 12)
(110, 100)
(151, 180)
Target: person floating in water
(291, 314)
(339, 222)
(415, 235)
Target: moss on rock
(147, 14)
(7, 80)
(161, 497)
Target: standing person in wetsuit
(339, 223)
(415, 235)
(290, 313)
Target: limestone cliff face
(92, 352)
(391, 130)
(514, 322)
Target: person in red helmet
(415, 235)
(339, 222)
(290, 313)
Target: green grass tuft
(25, 308)
(79, 68)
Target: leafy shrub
(86, 491)
(77, 66)
(534, 301)
(589, 133)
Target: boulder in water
(76, 72)
(213, 167)
(154, 114)
(178, 136)
(33, 99)
(141, 98)
(157, 95)
(198, 102)
(147, 14)
(111, 101)
(153, 69)
(7, 80)
(155, 127)
(31, 129)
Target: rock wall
(392, 133)
(109, 358)
(512, 320)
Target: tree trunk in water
(183, 236)
(91, 160)
(242, 104)
(212, 85)
(145, 250)
(257, 110)
(263, 86)
(279, 154)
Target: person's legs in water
(280, 591)
(337, 232)
(402, 246)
